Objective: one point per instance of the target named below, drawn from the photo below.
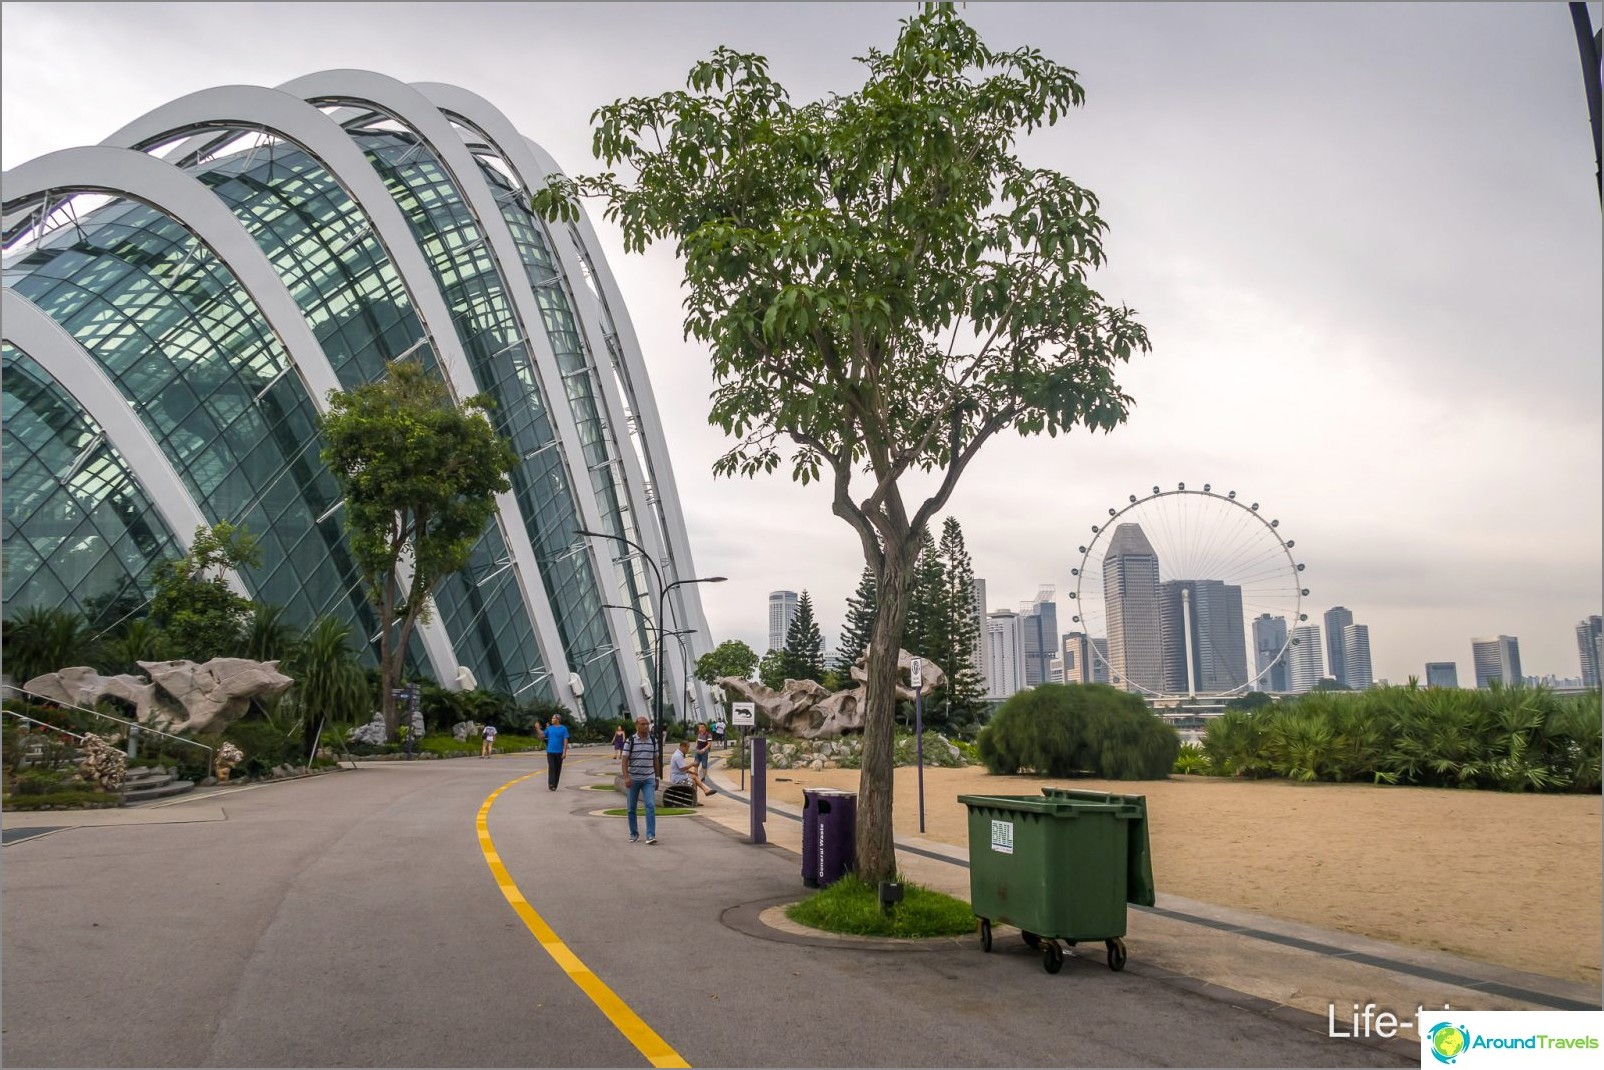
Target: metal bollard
(760, 802)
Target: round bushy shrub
(1062, 730)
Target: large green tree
(804, 643)
(883, 284)
(200, 614)
(419, 475)
(732, 657)
(859, 626)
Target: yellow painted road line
(626, 1021)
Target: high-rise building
(1085, 659)
(782, 607)
(1498, 659)
(1131, 603)
(1270, 655)
(1212, 657)
(1356, 657)
(982, 652)
(1590, 648)
(1304, 664)
(236, 255)
(1038, 624)
(1442, 674)
(1337, 618)
(1006, 644)
(1055, 669)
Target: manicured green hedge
(1061, 730)
(1509, 739)
(92, 800)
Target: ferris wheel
(1187, 593)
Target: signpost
(743, 715)
(916, 679)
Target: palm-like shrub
(139, 640)
(330, 685)
(1063, 730)
(37, 640)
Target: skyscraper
(1356, 656)
(1006, 654)
(1496, 659)
(1590, 648)
(1337, 618)
(1442, 674)
(782, 607)
(1131, 601)
(1269, 659)
(1085, 659)
(1305, 666)
(1038, 624)
(1212, 657)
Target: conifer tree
(859, 628)
(804, 645)
(966, 687)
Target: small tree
(201, 615)
(419, 476)
(966, 687)
(730, 658)
(774, 669)
(804, 645)
(883, 285)
(329, 682)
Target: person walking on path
(682, 771)
(556, 750)
(489, 735)
(704, 748)
(640, 778)
(618, 746)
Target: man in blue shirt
(556, 750)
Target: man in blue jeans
(640, 778)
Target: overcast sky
(1365, 240)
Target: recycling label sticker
(1002, 837)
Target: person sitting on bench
(682, 771)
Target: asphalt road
(353, 920)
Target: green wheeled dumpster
(1060, 866)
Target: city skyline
(1320, 277)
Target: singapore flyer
(1187, 592)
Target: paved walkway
(361, 919)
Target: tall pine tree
(804, 644)
(966, 687)
(859, 626)
(926, 610)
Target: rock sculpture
(373, 733)
(202, 698)
(228, 756)
(103, 763)
(803, 708)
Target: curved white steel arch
(532, 166)
(136, 176)
(29, 328)
(410, 107)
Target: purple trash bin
(829, 835)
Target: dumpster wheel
(1116, 953)
(1052, 956)
(985, 934)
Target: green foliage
(265, 747)
(882, 284)
(140, 639)
(851, 905)
(63, 800)
(1191, 760)
(448, 746)
(773, 669)
(1509, 739)
(1062, 730)
(943, 628)
(419, 476)
(859, 626)
(268, 636)
(730, 658)
(330, 684)
(804, 645)
(39, 640)
(201, 615)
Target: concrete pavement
(353, 919)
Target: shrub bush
(91, 800)
(265, 747)
(1062, 730)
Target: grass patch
(662, 811)
(601, 787)
(447, 746)
(852, 906)
(86, 800)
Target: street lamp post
(662, 602)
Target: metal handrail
(211, 761)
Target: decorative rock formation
(203, 698)
(373, 733)
(103, 763)
(463, 729)
(228, 756)
(803, 708)
(215, 694)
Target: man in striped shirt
(640, 778)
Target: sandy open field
(1508, 879)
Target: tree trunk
(876, 854)
(387, 674)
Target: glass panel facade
(79, 530)
(487, 326)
